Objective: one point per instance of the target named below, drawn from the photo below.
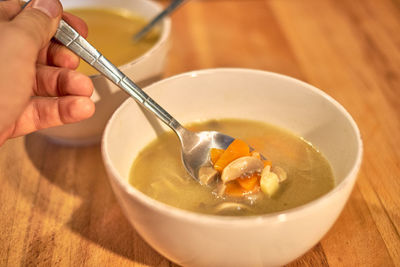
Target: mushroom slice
(282, 175)
(207, 175)
(230, 206)
(240, 167)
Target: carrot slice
(248, 183)
(215, 154)
(233, 189)
(235, 150)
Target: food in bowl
(111, 31)
(240, 172)
(293, 173)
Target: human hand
(38, 85)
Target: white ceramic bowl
(107, 97)
(194, 239)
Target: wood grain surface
(57, 207)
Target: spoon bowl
(196, 148)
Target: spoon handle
(75, 42)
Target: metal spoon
(168, 10)
(195, 145)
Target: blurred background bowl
(192, 239)
(143, 70)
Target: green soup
(158, 171)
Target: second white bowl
(107, 97)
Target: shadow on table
(79, 173)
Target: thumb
(38, 22)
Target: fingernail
(49, 7)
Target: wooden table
(57, 207)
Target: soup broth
(111, 32)
(159, 173)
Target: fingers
(23, 37)
(36, 24)
(60, 56)
(21, 40)
(8, 10)
(52, 81)
(49, 112)
(57, 54)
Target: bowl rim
(162, 40)
(201, 218)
